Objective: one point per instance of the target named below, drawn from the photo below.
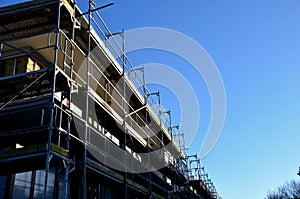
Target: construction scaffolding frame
(87, 105)
(198, 175)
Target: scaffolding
(198, 176)
(77, 111)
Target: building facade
(73, 121)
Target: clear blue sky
(256, 46)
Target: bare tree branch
(290, 190)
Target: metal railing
(128, 67)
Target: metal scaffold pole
(124, 102)
(69, 97)
(88, 62)
(50, 127)
(84, 180)
(148, 138)
(1, 48)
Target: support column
(50, 127)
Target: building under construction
(74, 122)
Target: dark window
(2, 186)
(40, 182)
(8, 67)
(21, 65)
(22, 185)
(31, 184)
(17, 65)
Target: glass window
(8, 66)
(1, 69)
(17, 65)
(40, 182)
(2, 186)
(22, 185)
(31, 65)
(21, 65)
(62, 184)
